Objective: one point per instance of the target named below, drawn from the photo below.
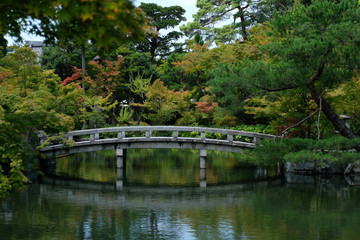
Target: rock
(305, 167)
(325, 167)
(297, 178)
(356, 169)
(329, 167)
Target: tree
(317, 51)
(134, 63)
(30, 100)
(21, 15)
(63, 57)
(213, 12)
(3, 45)
(198, 63)
(171, 75)
(164, 106)
(104, 22)
(162, 18)
(23, 64)
(238, 16)
(345, 100)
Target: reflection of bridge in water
(122, 138)
(107, 195)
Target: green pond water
(160, 196)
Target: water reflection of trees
(317, 208)
(260, 210)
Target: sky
(188, 5)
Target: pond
(161, 197)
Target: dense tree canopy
(316, 50)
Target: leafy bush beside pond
(271, 153)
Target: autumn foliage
(73, 78)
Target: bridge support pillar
(202, 177)
(120, 173)
(202, 159)
(120, 158)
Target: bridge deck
(95, 142)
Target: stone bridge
(122, 138)
(155, 137)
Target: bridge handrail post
(148, 133)
(92, 137)
(230, 138)
(121, 134)
(203, 135)
(257, 140)
(175, 134)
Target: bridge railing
(95, 134)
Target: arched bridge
(122, 138)
(156, 137)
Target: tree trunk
(338, 124)
(243, 27)
(83, 65)
(153, 46)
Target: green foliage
(135, 62)
(15, 152)
(287, 109)
(16, 15)
(58, 139)
(211, 16)
(63, 57)
(105, 22)
(95, 111)
(139, 85)
(345, 100)
(31, 100)
(3, 46)
(165, 106)
(198, 39)
(210, 13)
(229, 92)
(271, 153)
(335, 144)
(162, 18)
(169, 74)
(308, 49)
(125, 115)
(258, 128)
(321, 38)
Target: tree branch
(320, 70)
(318, 73)
(298, 123)
(318, 122)
(275, 89)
